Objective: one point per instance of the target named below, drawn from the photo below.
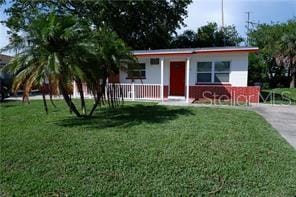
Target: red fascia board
(164, 55)
(227, 51)
(195, 52)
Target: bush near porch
(142, 149)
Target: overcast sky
(202, 11)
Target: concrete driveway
(282, 118)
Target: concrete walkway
(282, 118)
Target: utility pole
(222, 7)
(248, 26)
(222, 12)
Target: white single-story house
(189, 74)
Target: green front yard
(279, 96)
(142, 149)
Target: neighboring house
(4, 59)
(5, 79)
(189, 74)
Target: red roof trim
(227, 51)
(164, 54)
(180, 54)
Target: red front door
(177, 78)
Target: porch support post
(187, 78)
(133, 91)
(106, 88)
(161, 77)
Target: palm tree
(105, 56)
(286, 55)
(43, 55)
(58, 50)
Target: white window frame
(221, 72)
(204, 72)
(213, 72)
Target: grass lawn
(280, 95)
(142, 149)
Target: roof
(190, 51)
(4, 59)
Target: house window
(213, 72)
(137, 72)
(222, 70)
(154, 61)
(204, 72)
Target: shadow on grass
(9, 103)
(126, 116)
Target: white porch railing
(147, 91)
(127, 91)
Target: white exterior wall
(152, 74)
(238, 69)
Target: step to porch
(176, 98)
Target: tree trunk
(51, 101)
(82, 100)
(97, 102)
(293, 80)
(100, 90)
(63, 88)
(50, 96)
(111, 97)
(44, 102)
(94, 108)
(68, 101)
(70, 110)
(26, 98)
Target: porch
(157, 92)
